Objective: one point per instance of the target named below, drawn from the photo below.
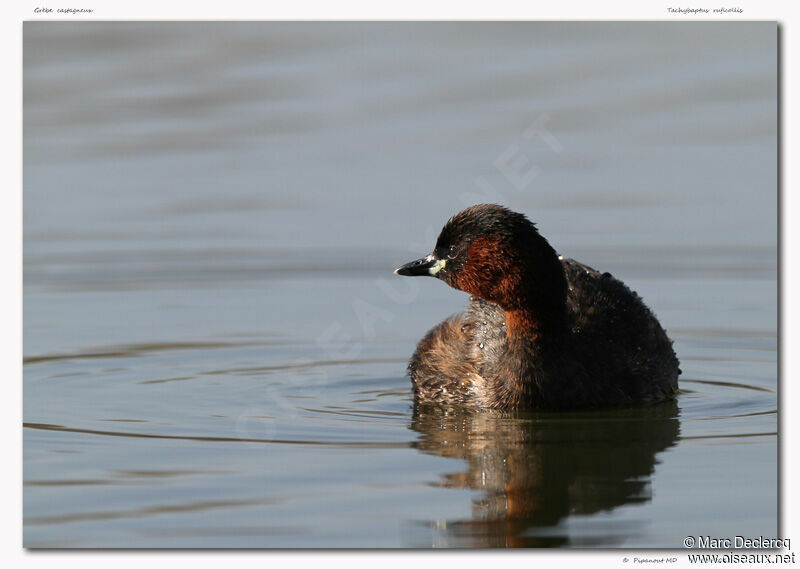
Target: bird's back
(617, 336)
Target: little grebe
(541, 331)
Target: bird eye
(451, 252)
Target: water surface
(214, 341)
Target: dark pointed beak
(425, 267)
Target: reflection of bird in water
(536, 469)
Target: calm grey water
(214, 341)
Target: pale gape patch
(436, 267)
